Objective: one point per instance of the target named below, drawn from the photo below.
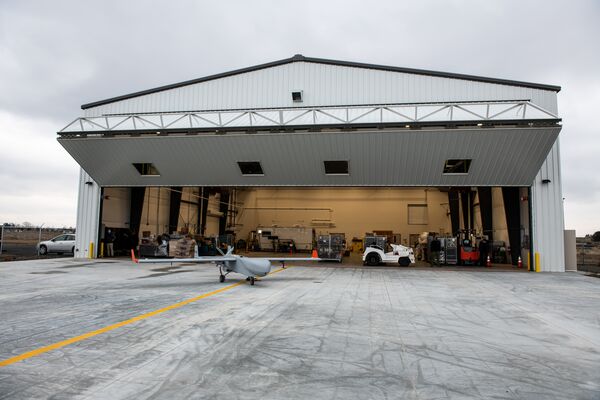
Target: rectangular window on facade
(250, 168)
(457, 166)
(336, 167)
(297, 96)
(146, 169)
(417, 214)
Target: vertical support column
(486, 210)
(454, 211)
(100, 248)
(467, 197)
(199, 212)
(136, 207)
(174, 207)
(512, 210)
(223, 208)
(204, 194)
(531, 230)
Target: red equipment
(469, 255)
(488, 262)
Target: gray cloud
(55, 56)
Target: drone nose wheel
(252, 280)
(221, 278)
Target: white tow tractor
(375, 255)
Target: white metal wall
(548, 214)
(88, 216)
(322, 85)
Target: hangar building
(328, 145)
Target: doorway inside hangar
(284, 219)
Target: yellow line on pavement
(109, 328)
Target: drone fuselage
(248, 266)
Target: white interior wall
(116, 207)
(213, 215)
(352, 211)
(155, 212)
(188, 209)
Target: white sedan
(60, 244)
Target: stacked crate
(182, 248)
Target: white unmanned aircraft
(229, 262)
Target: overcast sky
(57, 55)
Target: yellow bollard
(529, 260)
(91, 253)
(101, 250)
(537, 262)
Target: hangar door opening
(338, 221)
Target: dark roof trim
(299, 57)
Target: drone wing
(198, 260)
(282, 259)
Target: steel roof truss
(319, 116)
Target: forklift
(469, 252)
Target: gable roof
(301, 58)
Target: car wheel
(404, 261)
(73, 250)
(373, 259)
(43, 250)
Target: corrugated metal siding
(322, 85)
(88, 215)
(501, 157)
(549, 224)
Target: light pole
(39, 239)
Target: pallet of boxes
(182, 247)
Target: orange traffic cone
(488, 263)
(520, 263)
(315, 254)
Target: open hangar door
(284, 218)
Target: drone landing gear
(221, 274)
(251, 279)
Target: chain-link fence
(588, 257)
(21, 243)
